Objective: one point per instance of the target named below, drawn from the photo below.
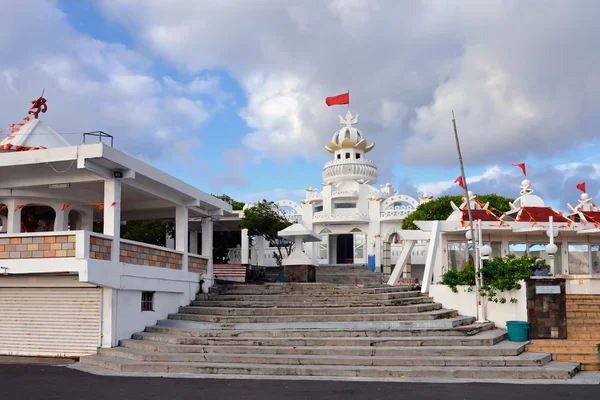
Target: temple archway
(37, 218)
(75, 221)
(390, 242)
(290, 210)
(3, 218)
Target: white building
(68, 283)
(355, 218)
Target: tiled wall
(142, 255)
(37, 247)
(197, 264)
(100, 248)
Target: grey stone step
(524, 359)
(187, 321)
(429, 315)
(552, 370)
(308, 288)
(308, 302)
(275, 311)
(314, 338)
(316, 297)
(174, 345)
(465, 330)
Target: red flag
(522, 166)
(114, 203)
(581, 186)
(460, 182)
(338, 100)
(65, 206)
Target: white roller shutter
(43, 321)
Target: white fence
(234, 255)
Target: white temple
(354, 218)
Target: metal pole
(468, 205)
(551, 231)
(481, 311)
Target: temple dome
(349, 136)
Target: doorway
(345, 249)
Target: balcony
(397, 213)
(348, 217)
(338, 170)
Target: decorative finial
(38, 106)
(526, 187)
(349, 120)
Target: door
(49, 321)
(360, 251)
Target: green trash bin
(518, 331)
(598, 347)
(281, 277)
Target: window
(347, 155)
(595, 258)
(344, 205)
(339, 156)
(147, 301)
(357, 156)
(318, 208)
(518, 249)
(457, 255)
(324, 248)
(579, 259)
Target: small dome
(348, 136)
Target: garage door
(49, 321)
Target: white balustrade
(341, 193)
(321, 216)
(417, 255)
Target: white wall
(130, 318)
(584, 285)
(464, 303)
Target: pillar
(14, 217)
(245, 247)
(112, 215)
(181, 233)
(61, 221)
(207, 248)
(194, 242)
(260, 251)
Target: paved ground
(26, 381)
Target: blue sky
(230, 96)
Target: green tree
(440, 208)
(235, 205)
(265, 219)
(148, 231)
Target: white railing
(234, 256)
(343, 193)
(398, 212)
(313, 196)
(349, 161)
(321, 216)
(356, 169)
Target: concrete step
(525, 359)
(552, 370)
(313, 297)
(303, 288)
(276, 311)
(316, 338)
(429, 315)
(190, 321)
(310, 302)
(154, 343)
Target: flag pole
(474, 238)
(348, 99)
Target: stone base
(299, 273)
(547, 308)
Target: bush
(498, 275)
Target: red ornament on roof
(38, 106)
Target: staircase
(324, 330)
(348, 275)
(583, 334)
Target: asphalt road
(47, 382)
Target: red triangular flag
(65, 206)
(338, 100)
(522, 166)
(581, 186)
(114, 203)
(460, 182)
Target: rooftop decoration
(586, 211)
(348, 136)
(38, 106)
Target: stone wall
(52, 246)
(547, 308)
(197, 264)
(100, 248)
(140, 254)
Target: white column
(260, 251)
(207, 248)
(61, 221)
(14, 217)
(245, 247)
(112, 215)
(181, 233)
(194, 242)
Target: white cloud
(273, 195)
(520, 79)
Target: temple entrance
(345, 249)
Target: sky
(229, 95)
